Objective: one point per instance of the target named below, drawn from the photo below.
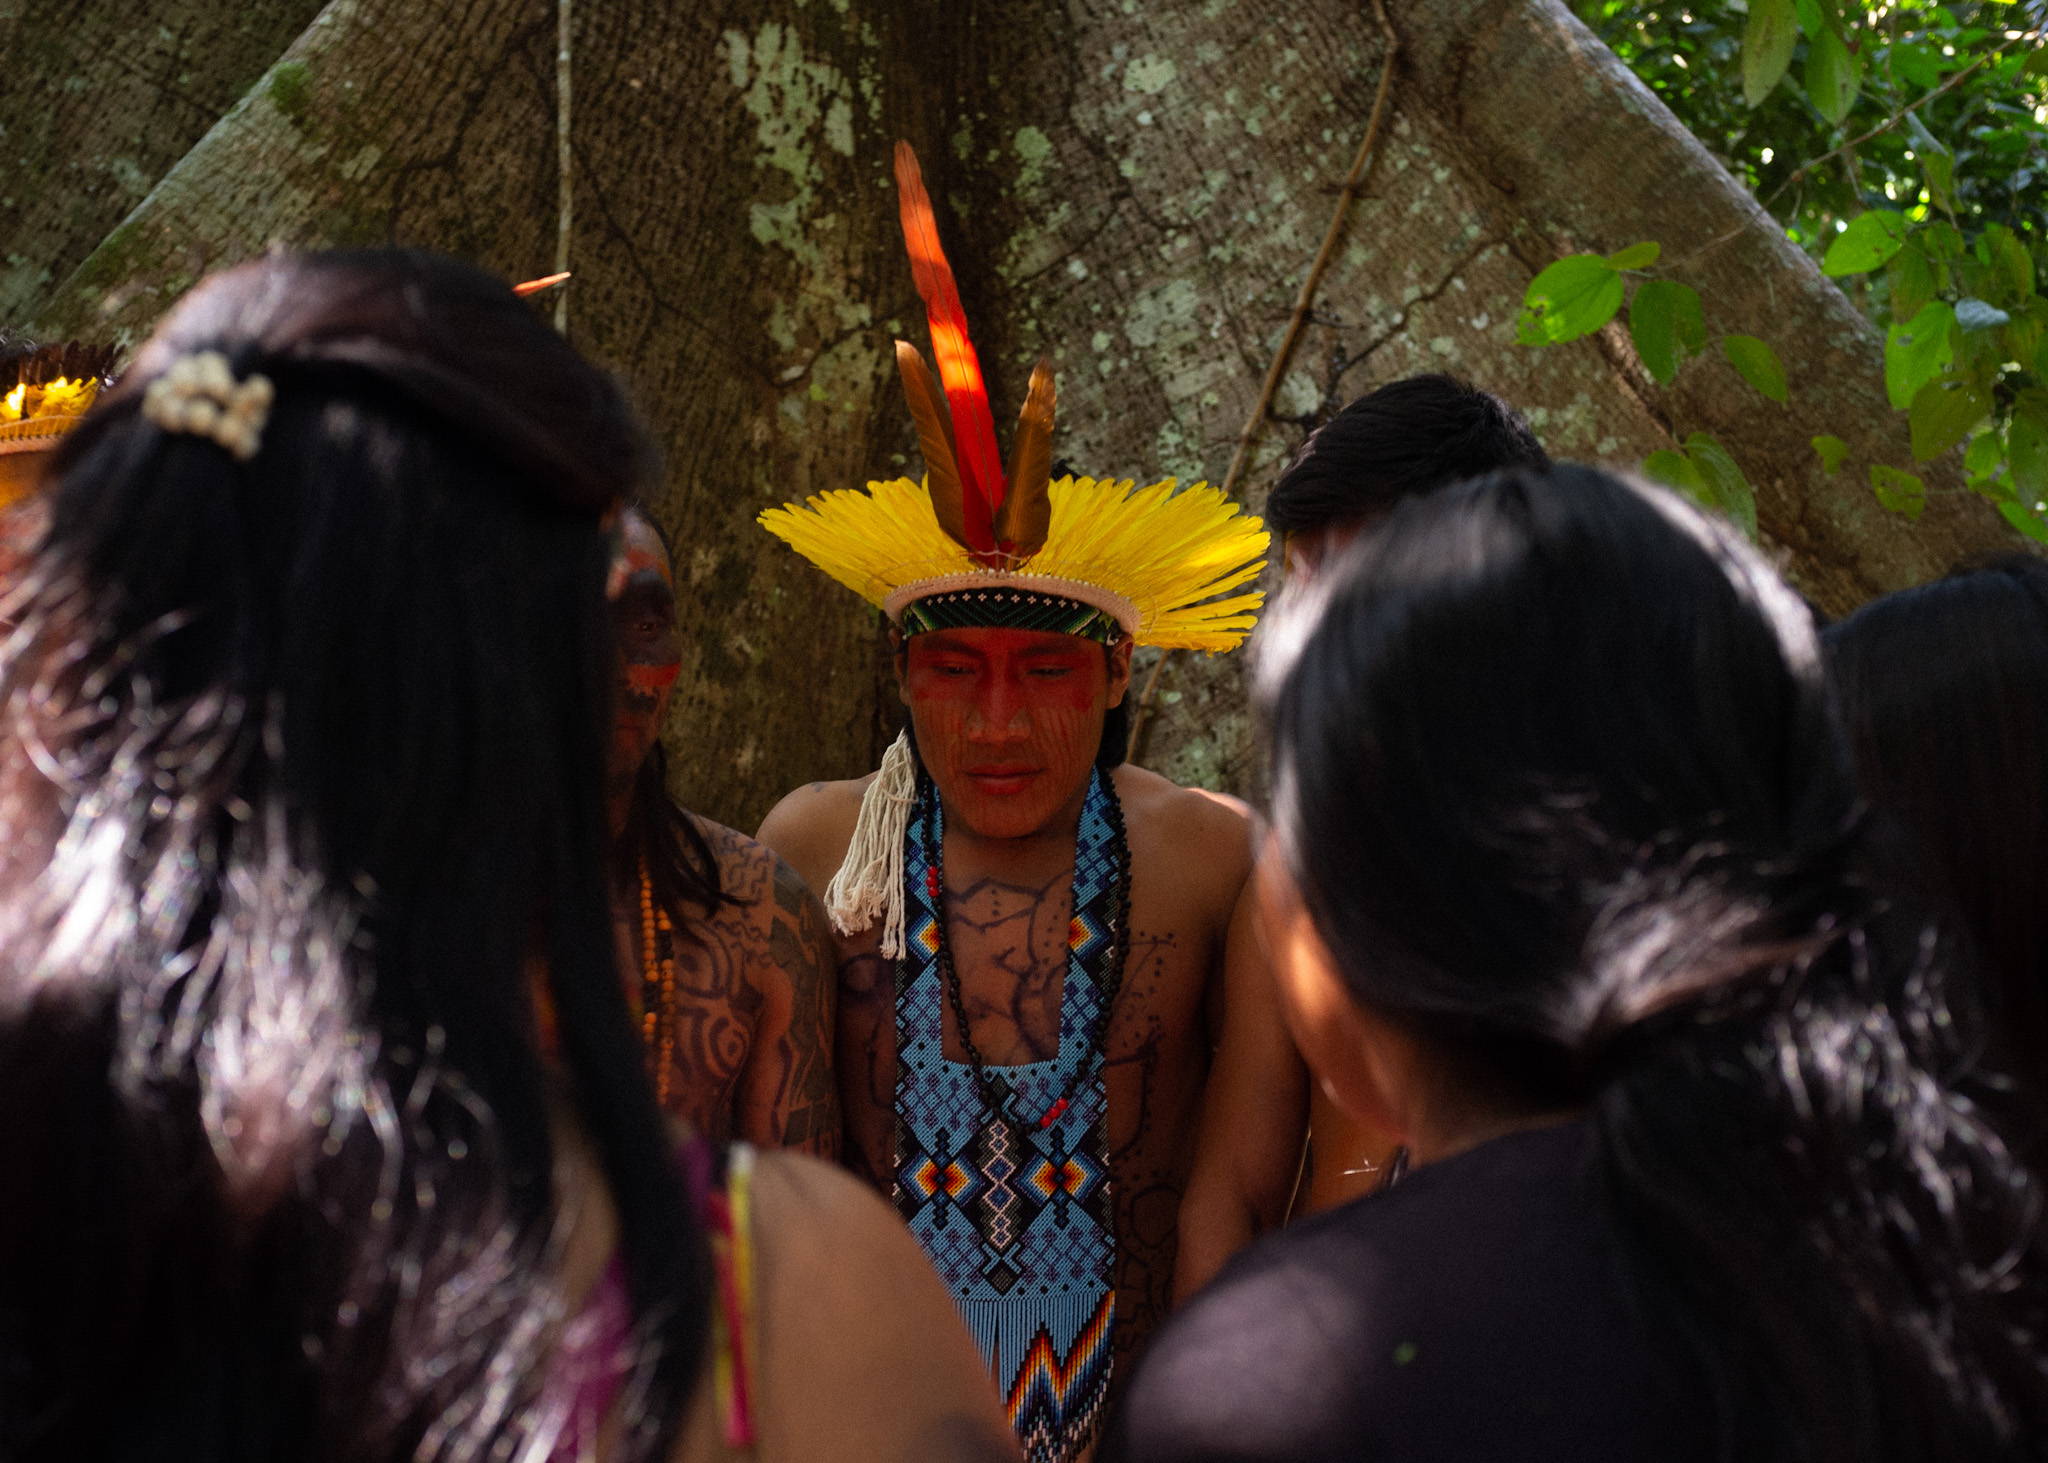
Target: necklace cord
(995, 1094)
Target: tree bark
(97, 101)
(1135, 190)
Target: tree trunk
(1135, 190)
(97, 101)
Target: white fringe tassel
(870, 881)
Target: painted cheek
(652, 680)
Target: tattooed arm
(788, 1097)
(1254, 1116)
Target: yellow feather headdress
(1154, 560)
(43, 393)
(1167, 567)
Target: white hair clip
(200, 397)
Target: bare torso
(752, 1006)
(1007, 925)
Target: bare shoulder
(751, 868)
(837, 1246)
(812, 826)
(816, 1208)
(1167, 809)
(743, 862)
(864, 1357)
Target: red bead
(1052, 1114)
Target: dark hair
(1944, 689)
(681, 866)
(1410, 436)
(323, 737)
(659, 836)
(1115, 745)
(1556, 772)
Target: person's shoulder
(1259, 1364)
(741, 860)
(745, 862)
(812, 826)
(1192, 811)
(852, 1311)
(842, 1240)
(835, 1240)
(1206, 836)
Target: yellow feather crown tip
(1172, 558)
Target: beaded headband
(1005, 607)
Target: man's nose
(1000, 713)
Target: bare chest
(1013, 947)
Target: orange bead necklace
(657, 988)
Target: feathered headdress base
(1168, 566)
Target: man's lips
(1002, 779)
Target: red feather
(974, 428)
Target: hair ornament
(199, 397)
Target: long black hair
(1557, 774)
(314, 743)
(1944, 689)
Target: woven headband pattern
(1002, 607)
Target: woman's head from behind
(1527, 725)
(320, 728)
(1558, 782)
(1944, 691)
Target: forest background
(1788, 255)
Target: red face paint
(643, 597)
(1008, 722)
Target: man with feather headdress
(1032, 932)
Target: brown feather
(949, 502)
(1026, 514)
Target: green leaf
(2027, 444)
(1942, 414)
(1911, 279)
(1833, 453)
(1916, 63)
(1758, 363)
(1728, 489)
(1869, 240)
(1834, 74)
(1939, 166)
(1667, 324)
(2004, 252)
(1977, 315)
(2028, 331)
(1898, 492)
(1985, 452)
(1676, 470)
(1915, 352)
(1635, 256)
(1767, 47)
(1941, 241)
(2036, 63)
(1573, 297)
(2023, 517)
